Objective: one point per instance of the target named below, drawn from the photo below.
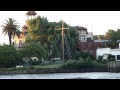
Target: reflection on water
(93, 75)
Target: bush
(46, 63)
(104, 62)
(34, 49)
(88, 59)
(59, 62)
(100, 66)
(83, 55)
(9, 57)
(81, 59)
(100, 59)
(35, 62)
(84, 65)
(71, 64)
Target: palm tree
(11, 28)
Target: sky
(97, 22)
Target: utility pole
(62, 37)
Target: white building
(82, 31)
(90, 35)
(106, 51)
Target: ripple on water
(92, 75)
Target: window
(82, 37)
(118, 57)
(113, 56)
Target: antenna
(92, 31)
(92, 28)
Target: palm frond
(11, 28)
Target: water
(92, 75)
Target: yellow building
(20, 42)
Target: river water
(92, 75)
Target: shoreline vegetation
(68, 67)
(44, 42)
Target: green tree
(37, 30)
(9, 57)
(100, 58)
(112, 36)
(118, 34)
(40, 30)
(33, 50)
(11, 28)
(99, 37)
(71, 37)
(83, 55)
(95, 37)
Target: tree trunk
(10, 40)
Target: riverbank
(55, 68)
(73, 67)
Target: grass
(68, 65)
(42, 67)
(48, 66)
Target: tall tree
(9, 57)
(112, 36)
(34, 50)
(11, 28)
(95, 37)
(99, 37)
(40, 30)
(118, 34)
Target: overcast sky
(97, 22)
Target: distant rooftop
(101, 40)
(31, 13)
(79, 27)
(89, 45)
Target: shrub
(83, 55)
(35, 62)
(9, 57)
(87, 65)
(59, 62)
(81, 59)
(46, 63)
(100, 59)
(34, 49)
(88, 59)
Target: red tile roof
(89, 45)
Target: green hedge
(84, 65)
(9, 57)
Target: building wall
(18, 42)
(82, 35)
(90, 35)
(82, 31)
(102, 51)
